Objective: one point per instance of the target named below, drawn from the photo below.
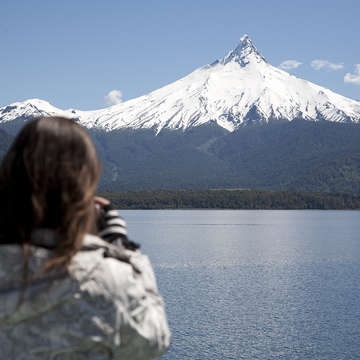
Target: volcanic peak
(244, 53)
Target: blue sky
(73, 53)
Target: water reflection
(256, 284)
(211, 237)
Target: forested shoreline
(231, 199)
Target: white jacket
(104, 309)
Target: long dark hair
(48, 180)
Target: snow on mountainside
(239, 88)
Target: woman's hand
(100, 201)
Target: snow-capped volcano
(239, 88)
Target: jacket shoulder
(118, 289)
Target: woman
(65, 292)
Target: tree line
(231, 199)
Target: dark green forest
(230, 199)
(296, 156)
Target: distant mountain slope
(5, 141)
(300, 155)
(239, 89)
(297, 156)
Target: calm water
(256, 284)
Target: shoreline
(230, 199)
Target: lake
(256, 284)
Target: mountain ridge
(237, 90)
